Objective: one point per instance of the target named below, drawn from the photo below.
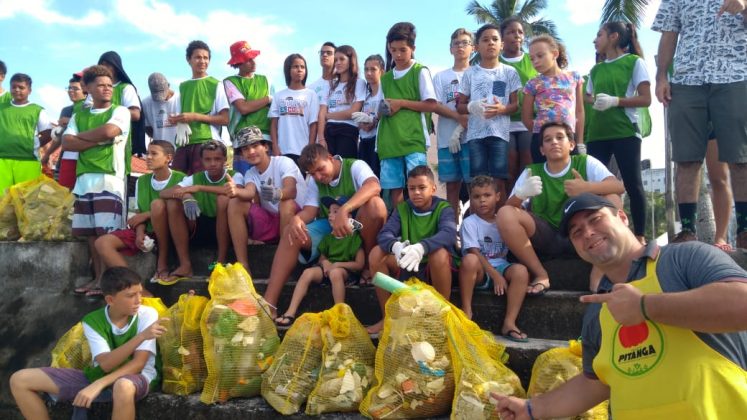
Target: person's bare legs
(439, 264)
(286, 209)
(25, 386)
(396, 196)
(180, 235)
(159, 221)
(516, 227)
(309, 275)
(283, 263)
(721, 197)
(237, 213)
(738, 173)
(452, 196)
(384, 263)
(470, 272)
(337, 277)
(517, 277)
(513, 165)
(123, 399)
(500, 185)
(222, 235)
(107, 247)
(372, 216)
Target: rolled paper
(387, 283)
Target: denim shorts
(453, 167)
(393, 173)
(488, 156)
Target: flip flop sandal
(83, 290)
(541, 292)
(280, 323)
(94, 292)
(509, 335)
(158, 276)
(173, 279)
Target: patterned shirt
(554, 98)
(711, 48)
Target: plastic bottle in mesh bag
(346, 371)
(8, 221)
(43, 209)
(239, 337)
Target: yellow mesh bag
(72, 350)
(556, 366)
(184, 369)
(414, 375)
(43, 209)
(8, 222)
(239, 336)
(346, 371)
(295, 370)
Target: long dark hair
(352, 72)
(402, 31)
(287, 68)
(627, 37)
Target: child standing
(4, 94)
(249, 93)
(453, 159)
(404, 120)
(339, 259)
(294, 112)
(519, 144)
(368, 119)
(122, 339)
(420, 230)
(336, 128)
(489, 94)
(618, 86)
(554, 95)
(24, 128)
(484, 258)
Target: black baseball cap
(585, 201)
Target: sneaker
(685, 235)
(742, 239)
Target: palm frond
(531, 8)
(503, 8)
(630, 11)
(543, 26)
(481, 13)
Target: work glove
(454, 144)
(182, 134)
(397, 249)
(355, 225)
(581, 148)
(477, 108)
(362, 118)
(269, 193)
(191, 208)
(385, 108)
(530, 188)
(604, 102)
(411, 257)
(57, 132)
(148, 244)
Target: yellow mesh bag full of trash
(43, 209)
(556, 366)
(239, 336)
(347, 369)
(294, 372)
(184, 369)
(414, 374)
(8, 222)
(72, 350)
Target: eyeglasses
(326, 52)
(73, 89)
(461, 44)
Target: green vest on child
(198, 95)
(345, 188)
(146, 193)
(253, 88)
(340, 249)
(17, 130)
(207, 201)
(117, 94)
(526, 71)
(98, 159)
(402, 133)
(418, 227)
(549, 204)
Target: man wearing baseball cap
(248, 93)
(157, 107)
(664, 337)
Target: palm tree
(527, 12)
(624, 10)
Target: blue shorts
(488, 156)
(487, 284)
(316, 229)
(453, 167)
(393, 173)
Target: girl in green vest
(618, 86)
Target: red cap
(241, 52)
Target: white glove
(530, 188)
(57, 132)
(604, 102)
(477, 108)
(411, 257)
(269, 193)
(454, 145)
(362, 118)
(148, 244)
(397, 249)
(581, 148)
(182, 134)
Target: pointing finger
(596, 298)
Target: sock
(687, 215)
(741, 209)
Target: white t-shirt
(446, 84)
(96, 183)
(360, 171)
(295, 110)
(129, 97)
(640, 75)
(281, 167)
(321, 88)
(427, 91)
(336, 100)
(43, 123)
(483, 235)
(188, 181)
(595, 172)
(156, 114)
(480, 83)
(146, 316)
(371, 107)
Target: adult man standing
(709, 84)
(157, 107)
(666, 337)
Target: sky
(50, 40)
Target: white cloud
(42, 11)
(581, 12)
(52, 98)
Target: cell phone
(355, 225)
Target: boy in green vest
(151, 221)
(204, 110)
(420, 230)
(24, 128)
(529, 231)
(4, 94)
(122, 338)
(249, 94)
(197, 209)
(339, 260)
(330, 176)
(99, 135)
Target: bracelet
(643, 308)
(529, 409)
